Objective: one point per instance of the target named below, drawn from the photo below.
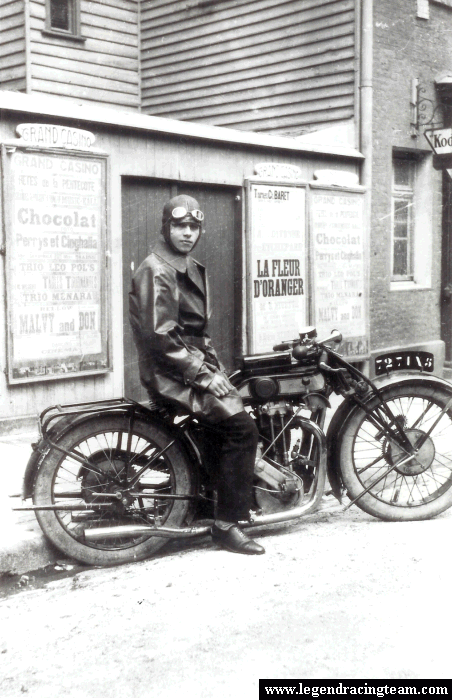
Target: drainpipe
(366, 92)
(365, 133)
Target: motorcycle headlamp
(179, 213)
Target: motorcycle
(111, 481)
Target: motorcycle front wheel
(86, 474)
(378, 472)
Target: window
(402, 218)
(63, 17)
(412, 203)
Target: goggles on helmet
(181, 212)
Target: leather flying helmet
(179, 209)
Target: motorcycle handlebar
(335, 337)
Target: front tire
(116, 449)
(417, 489)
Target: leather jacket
(168, 311)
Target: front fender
(339, 419)
(332, 440)
(407, 376)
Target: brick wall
(405, 47)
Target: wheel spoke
(79, 482)
(383, 465)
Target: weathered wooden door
(219, 249)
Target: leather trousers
(232, 452)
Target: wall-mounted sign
(440, 140)
(278, 171)
(52, 136)
(339, 267)
(277, 264)
(56, 270)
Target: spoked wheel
(106, 476)
(400, 486)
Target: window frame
(74, 20)
(419, 192)
(403, 193)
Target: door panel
(219, 249)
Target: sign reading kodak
(440, 140)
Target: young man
(168, 314)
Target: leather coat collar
(182, 263)
(179, 261)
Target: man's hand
(219, 386)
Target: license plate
(406, 359)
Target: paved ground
(22, 545)
(336, 596)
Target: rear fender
(40, 449)
(66, 423)
(339, 420)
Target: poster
(278, 264)
(56, 272)
(339, 269)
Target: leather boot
(235, 540)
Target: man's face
(183, 235)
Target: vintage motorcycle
(111, 481)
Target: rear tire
(109, 444)
(422, 487)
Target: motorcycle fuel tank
(269, 387)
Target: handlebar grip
(282, 346)
(335, 337)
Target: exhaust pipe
(108, 533)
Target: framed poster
(339, 267)
(276, 265)
(56, 272)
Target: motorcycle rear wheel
(420, 488)
(114, 449)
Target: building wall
(284, 67)
(143, 154)
(101, 67)
(12, 45)
(405, 47)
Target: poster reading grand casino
(278, 264)
(55, 273)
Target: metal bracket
(425, 112)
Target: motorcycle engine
(273, 418)
(272, 421)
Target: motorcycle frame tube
(257, 520)
(318, 486)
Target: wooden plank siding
(284, 68)
(12, 45)
(104, 69)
